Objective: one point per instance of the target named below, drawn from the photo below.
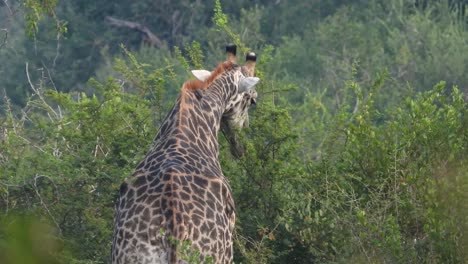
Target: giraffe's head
(241, 84)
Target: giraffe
(179, 192)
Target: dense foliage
(357, 151)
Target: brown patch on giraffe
(194, 85)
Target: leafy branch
(36, 11)
(221, 21)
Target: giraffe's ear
(201, 75)
(247, 83)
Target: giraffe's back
(174, 201)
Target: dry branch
(148, 36)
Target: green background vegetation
(356, 153)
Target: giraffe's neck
(195, 119)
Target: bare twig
(8, 6)
(57, 49)
(31, 144)
(50, 76)
(148, 36)
(29, 79)
(5, 37)
(356, 106)
(11, 185)
(38, 92)
(176, 22)
(42, 201)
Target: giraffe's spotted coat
(179, 189)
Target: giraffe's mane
(197, 84)
(194, 85)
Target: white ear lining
(201, 75)
(247, 83)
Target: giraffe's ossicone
(178, 193)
